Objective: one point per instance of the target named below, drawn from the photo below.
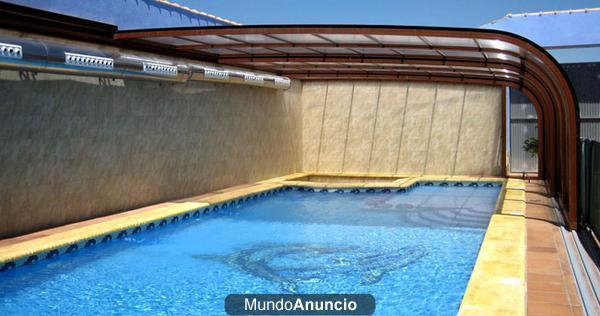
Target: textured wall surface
(74, 149)
(391, 127)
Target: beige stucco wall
(391, 127)
(74, 149)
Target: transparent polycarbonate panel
(349, 38)
(211, 39)
(219, 51)
(255, 38)
(504, 71)
(300, 38)
(333, 50)
(450, 41)
(169, 40)
(375, 51)
(294, 50)
(425, 52)
(462, 53)
(498, 44)
(257, 50)
(399, 40)
(501, 56)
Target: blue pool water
(413, 251)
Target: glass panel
(498, 44)
(219, 51)
(212, 39)
(450, 41)
(333, 50)
(169, 41)
(375, 50)
(523, 132)
(504, 71)
(399, 40)
(462, 53)
(348, 38)
(257, 50)
(255, 38)
(300, 38)
(533, 57)
(426, 52)
(295, 50)
(501, 56)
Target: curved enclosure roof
(355, 52)
(326, 52)
(554, 29)
(472, 56)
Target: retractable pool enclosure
(471, 56)
(356, 52)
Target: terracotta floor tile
(542, 249)
(540, 214)
(534, 277)
(548, 309)
(544, 266)
(539, 242)
(545, 286)
(548, 297)
(544, 256)
(550, 284)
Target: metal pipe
(40, 56)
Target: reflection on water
(290, 265)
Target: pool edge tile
(497, 285)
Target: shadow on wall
(75, 148)
(390, 127)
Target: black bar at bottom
(300, 304)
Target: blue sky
(464, 13)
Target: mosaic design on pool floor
(53, 253)
(291, 265)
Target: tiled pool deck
(521, 267)
(550, 284)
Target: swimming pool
(414, 251)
